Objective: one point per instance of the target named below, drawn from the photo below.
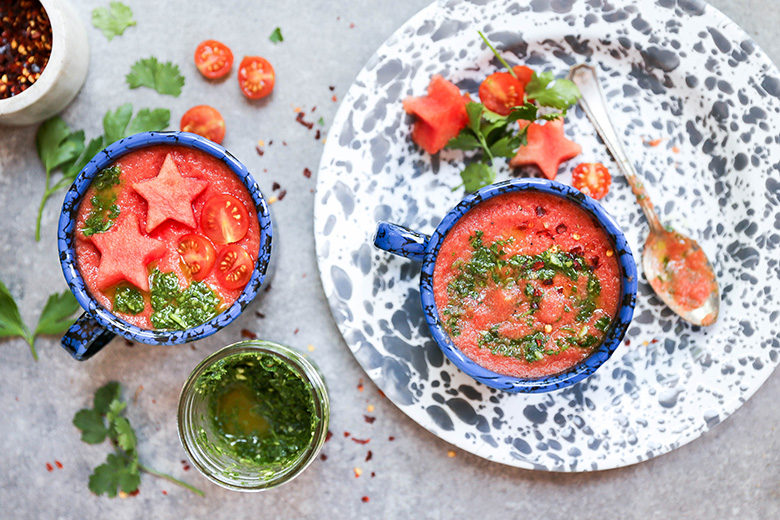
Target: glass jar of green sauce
(253, 415)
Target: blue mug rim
(614, 335)
(67, 223)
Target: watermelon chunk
(547, 148)
(441, 114)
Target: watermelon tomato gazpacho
(167, 237)
(527, 284)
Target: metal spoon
(674, 264)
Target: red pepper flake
(245, 333)
(561, 228)
(282, 194)
(25, 45)
(332, 88)
(259, 151)
(369, 456)
(360, 385)
(313, 109)
(296, 331)
(381, 393)
(58, 464)
(259, 314)
(164, 492)
(358, 472)
(134, 493)
(270, 142)
(284, 143)
(275, 186)
(186, 467)
(654, 340)
(365, 499)
(307, 124)
(317, 135)
(268, 287)
(49, 467)
(352, 26)
(369, 419)
(346, 434)
(675, 149)
(323, 457)
(391, 438)
(303, 275)
(328, 435)
(655, 142)
(307, 173)
(361, 441)
(334, 98)
(628, 342)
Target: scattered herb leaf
(276, 36)
(114, 20)
(162, 77)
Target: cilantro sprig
(55, 318)
(60, 148)
(162, 77)
(495, 136)
(114, 20)
(122, 469)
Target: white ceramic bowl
(62, 77)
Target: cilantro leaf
(90, 422)
(56, 315)
(11, 323)
(105, 395)
(72, 169)
(114, 20)
(276, 36)
(150, 121)
(116, 472)
(505, 147)
(464, 141)
(115, 123)
(476, 175)
(551, 92)
(114, 410)
(474, 111)
(125, 436)
(162, 77)
(527, 112)
(56, 144)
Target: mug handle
(85, 337)
(401, 241)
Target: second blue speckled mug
(422, 248)
(97, 325)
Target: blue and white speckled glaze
(97, 326)
(403, 242)
(676, 70)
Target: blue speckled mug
(97, 325)
(422, 248)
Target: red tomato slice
(591, 179)
(224, 219)
(256, 77)
(213, 59)
(500, 92)
(234, 267)
(204, 121)
(198, 254)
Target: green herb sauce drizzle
(104, 211)
(179, 309)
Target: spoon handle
(592, 102)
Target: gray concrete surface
(731, 472)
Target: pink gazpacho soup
(527, 284)
(167, 237)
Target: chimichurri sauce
(262, 411)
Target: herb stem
(495, 52)
(171, 479)
(46, 194)
(31, 340)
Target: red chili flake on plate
(369, 455)
(313, 108)
(655, 142)
(317, 135)
(332, 88)
(164, 492)
(561, 228)
(352, 26)
(134, 493)
(323, 457)
(49, 467)
(307, 173)
(334, 98)
(361, 441)
(346, 434)
(365, 499)
(369, 419)
(373, 474)
(282, 194)
(654, 340)
(328, 435)
(245, 333)
(259, 314)
(129, 343)
(275, 186)
(537, 265)
(360, 385)
(628, 342)
(186, 467)
(296, 331)
(307, 124)
(259, 150)
(58, 464)
(391, 438)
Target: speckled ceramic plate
(699, 103)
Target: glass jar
(206, 446)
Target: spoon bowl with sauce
(674, 264)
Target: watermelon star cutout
(169, 196)
(547, 148)
(125, 253)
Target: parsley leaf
(149, 121)
(476, 175)
(276, 36)
(93, 428)
(115, 123)
(11, 323)
(105, 395)
(551, 92)
(114, 20)
(56, 144)
(162, 77)
(117, 471)
(125, 436)
(56, 316)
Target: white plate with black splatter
(699, 103)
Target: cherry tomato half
(224, 219)
(205, 121)
(213, 59)
(198, 254)
(591, 179)
(256, 77)
(234, 267)
(500, 92)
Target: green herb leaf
(276, 36)
(474, 111)
(505, 147)
(125, 436)
(56, 144)
(116, 472)
(105, 395)
(464, 141)
(551, 92)
(527, 112)
(115, 409)
(114, 20)
(162, 77)
(93, 428)
(56, 316)
(150, 121)
(115, 123)
(476, 175)
(11, 323)
(321, 122)
(72, 169)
